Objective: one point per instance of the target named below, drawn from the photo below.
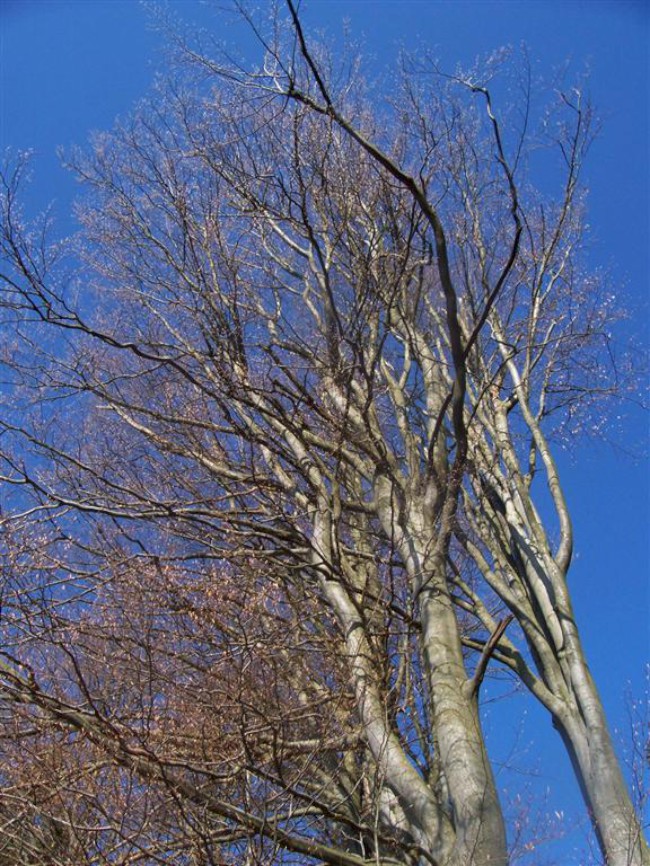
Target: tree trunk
(475, 809)
(586, 735)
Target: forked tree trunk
(546, 616)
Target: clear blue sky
(69, 67)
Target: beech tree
(278, 467)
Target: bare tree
(282, 417)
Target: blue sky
(68, 67)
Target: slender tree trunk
(554, 640)
(586, 735)
(585, 731)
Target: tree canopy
(280, 472)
